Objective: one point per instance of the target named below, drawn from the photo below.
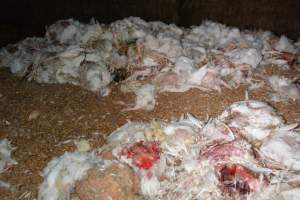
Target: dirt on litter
(43, 120)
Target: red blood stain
(143, 154)
(237, 179)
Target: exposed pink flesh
(223, 152)
(143, 154)
(237, 180)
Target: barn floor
(67, 113)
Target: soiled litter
(147, 57)
(247, 152)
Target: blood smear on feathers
(143, 154)
(225, 152)
(238, 179)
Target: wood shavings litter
(34, 115)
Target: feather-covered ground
(44, 121)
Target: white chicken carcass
(254, 120)
(249, 56)
(285, 45)
(282, 150)
(96, 77)
(284, 88)
(61, 174)
(145, 98)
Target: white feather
(61, 174)
(5, 155)
(284, 87)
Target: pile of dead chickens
(153, 57)
(247, 152)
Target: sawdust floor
(68, 113)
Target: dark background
(22, 18)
